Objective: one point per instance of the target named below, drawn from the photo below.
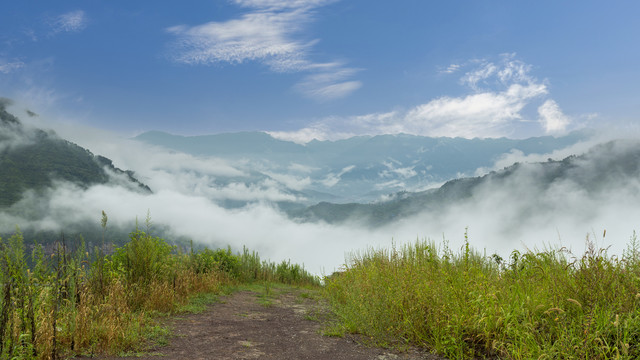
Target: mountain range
(615, 164)
(371, 180)
(358, 169)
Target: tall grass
(251, 268)
(548, 304)
(72, 302)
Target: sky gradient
(326, 69)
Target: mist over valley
(317, 201)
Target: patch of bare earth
(245, 326)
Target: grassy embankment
(537, 305)
(82, 303)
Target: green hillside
(31, 159)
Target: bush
(208, 260)
(143, 259)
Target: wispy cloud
(451, 69)
(330, 83)
(269, 34)
(9, 67)
(483, 72)
(261, 36)
(74, 21)
(282, 4)
(486, 74)
(497, 94)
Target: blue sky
(326, 69)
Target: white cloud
(552, 117)
(269, 34)
(495, 107)
(73, 21)
(485, 114)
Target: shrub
(144, 259)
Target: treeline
(85, 302)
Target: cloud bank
(500, 218)
(515, 215)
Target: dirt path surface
(250, 325)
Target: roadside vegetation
(82, 301)
(547, 304)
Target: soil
(248, 325)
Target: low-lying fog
(499, 218)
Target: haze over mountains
(605, 167)
(316, 201)
(358, 169)
(382, 181)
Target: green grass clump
(537, 305)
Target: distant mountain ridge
(32, 159)
(361, 168)
(605, 166)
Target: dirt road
(250, 324)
